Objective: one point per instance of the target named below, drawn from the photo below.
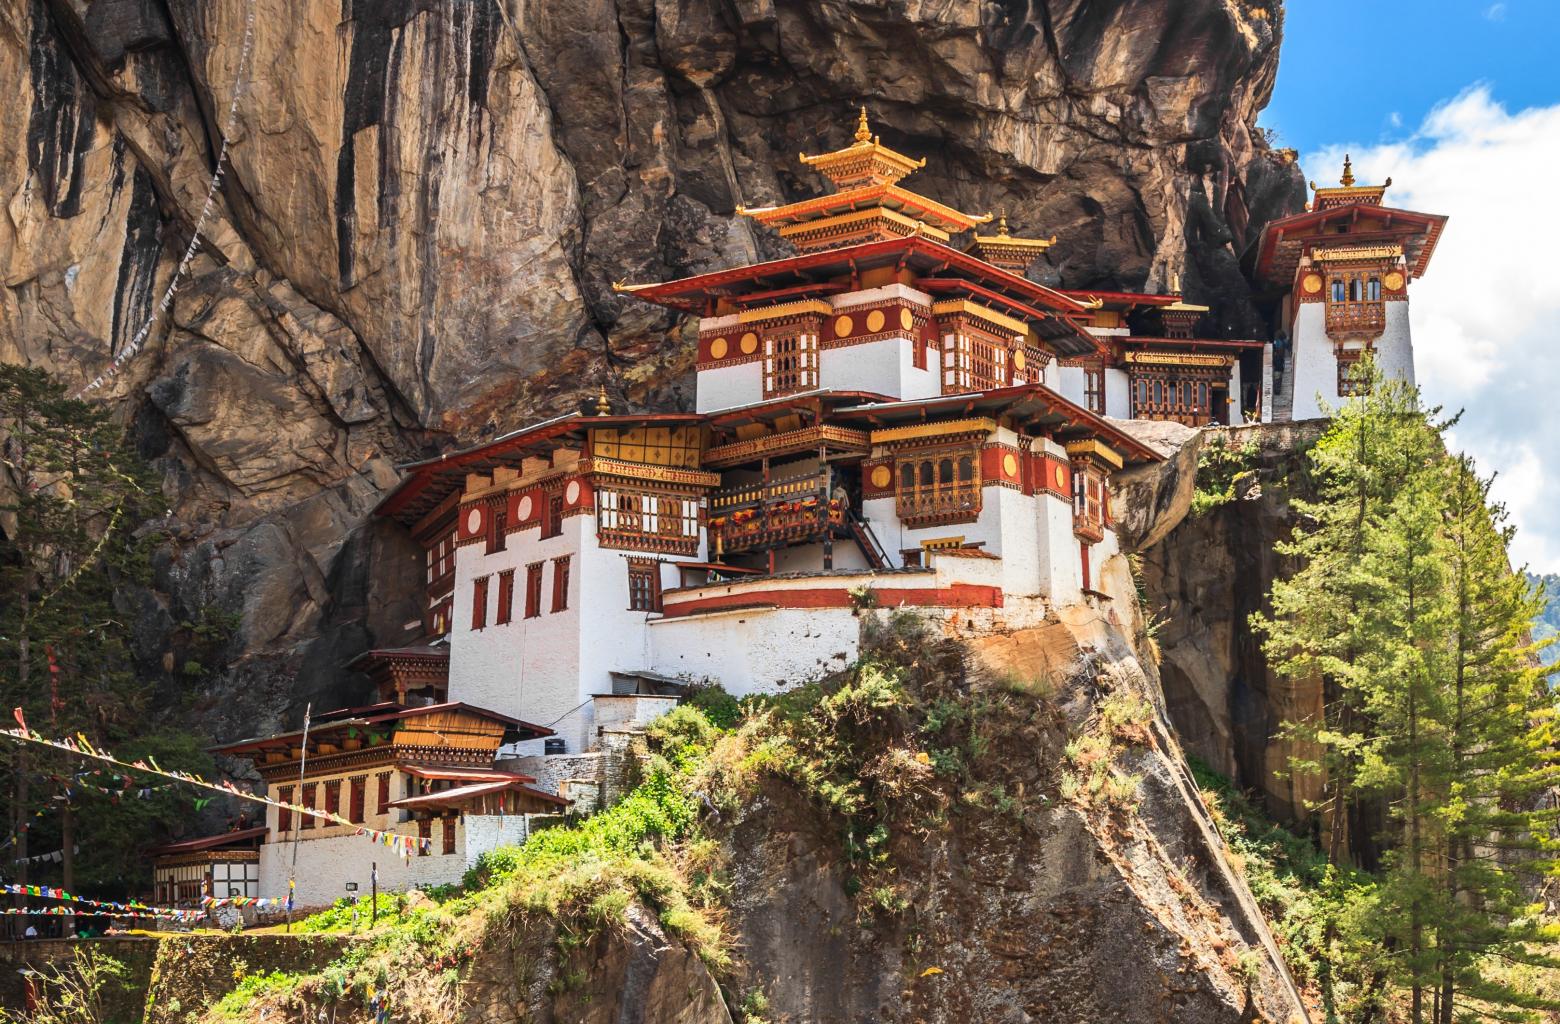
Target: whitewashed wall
(1118, 394)
(1316, 367)
(526, 668)
(756, 650)
(1070, 382)
(726, 387)
(326, 864)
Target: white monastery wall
(484, 832)
(1070, 383)
(725, 387)
(886, 367)
(1118, 393)
(326, 864)
(1059, 558)
(756, 650)
(1237, 412)
(526, 668)
(1020, 545)
(1314, 365)
(1394, 349)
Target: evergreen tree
(1407, 607)
(73, 494)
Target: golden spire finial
(603, 404)
(863, 133)
(1347, 181)
(1002, 224)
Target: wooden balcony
(795, 510)
(1349, 318)
(951, 503)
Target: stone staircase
(1284, 393)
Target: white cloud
(1495, 12)
(1486, 317)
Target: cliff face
(1203, 578)
(426, 203)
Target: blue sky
(1459, 102)
(1371, 70)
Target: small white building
(1342, 269)
(426, 773)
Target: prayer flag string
(110, 908)
(402, 845)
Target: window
(424, 832)
(1094, 389)
(284, 814)
(357, 791)
(449, 835)
(560, 594)
(479, 603)
(308, 801)
(938, 487)
(506, 597)
(1338, 293)
(1088, 501)
(644, 585)
(533, 590)
(552, 524)
(333, 797)
(1373, 290)
(790, 362)
(382, 801)
(441, 558)
(497, 522)
(647, 522)
(441, 617)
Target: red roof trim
(1431, 225)
(1075, 413)
(209, 842)
(665, 292)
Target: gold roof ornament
(1008, 251)
(603, 403)
(865, 162)
(1347, 192)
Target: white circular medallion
(474, 520)
(572, 494)
(523, 509)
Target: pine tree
(1501, 762)
(1406, 605)
(72, 495)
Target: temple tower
(1343, 268)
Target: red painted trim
(957, 595)
(687, 292)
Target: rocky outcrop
(1079, 911)
(1203, 577)
(425, 206)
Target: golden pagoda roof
(887, 194)
(1010, 251)
(865, 161)
(1003, 238)
(1347, 193)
